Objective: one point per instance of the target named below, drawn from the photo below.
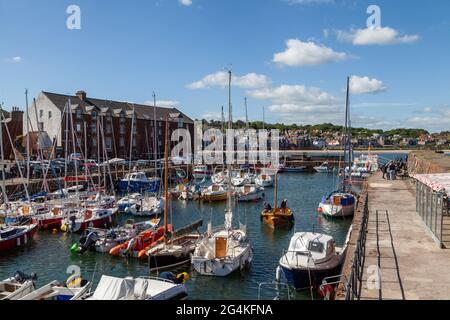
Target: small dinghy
(338, 204)
(324, 168)
(167, 287)
(75, 288)
(311, 257)
(18, 286)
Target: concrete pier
(411, 264)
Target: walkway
(412, 265)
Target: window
(94, 128)
(122, 141)
(180, 122)
(160, 132)
(134, 142)
(315, 246)
(41, 113)
(94, 115)
(122, 129)
(41, 126)
(79, 114)
(108, 143)
(49, 114)
(78, 127)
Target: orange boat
(145, 239)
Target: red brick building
(100, 124)
(14, 122)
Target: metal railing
(354, 282)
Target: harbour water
(49, 255)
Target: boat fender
(278, 274)
(182, 278)
(325, 291)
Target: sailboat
(176, 247)
(277, 217)
(11, 236)
(225, 250)
(341, 203)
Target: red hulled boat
(12, 237)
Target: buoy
(55, 230)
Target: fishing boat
(215, 192)
(143, 240)
(249, 192)
(227, 249)
(147, 207)
(264, 180)
(79, 220)
(277, 217)
(18, 286)
(201, 172)
(310, 258)
(75, 288)
(12, 237)
(167, 287)
(342, 203)
(324, 168)
(139, 182)
(103, 240)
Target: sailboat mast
(246, 115)
(74, 151)
(346, 138)
(154, 134)
(223, 130)
(5, 196)
(28, 139)
(264, 118)
(229, 137)
(166, 182)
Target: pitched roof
(142, 111)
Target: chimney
(81, 95)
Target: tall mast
(155, 134)
(346, 132)
(74, 151)
(2, 158)
(28, 139)
(228, 213)
(131, 147)
(166, 181)
(66, 133)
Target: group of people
(392, 168)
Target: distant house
(13, 124)
(319, 143)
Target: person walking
(384, 170)
(393, 171)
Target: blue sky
(290, 56)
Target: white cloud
(220, 79)
(361, 85)
(294, 94)
(185, 2)
(164, 103)
(374, 36)
(299, 54)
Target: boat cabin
(319, 247)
